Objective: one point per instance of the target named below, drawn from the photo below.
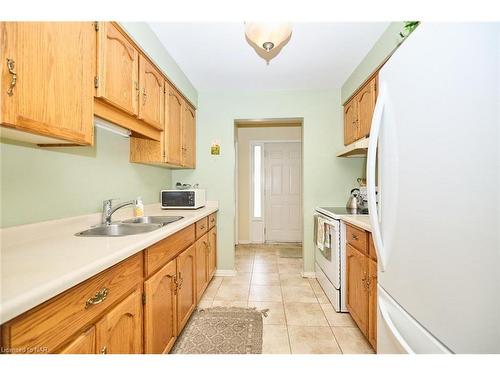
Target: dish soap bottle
(139, 207)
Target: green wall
(326, 178)
(388, 41)
(48, 183)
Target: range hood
(357, 149)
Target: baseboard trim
(225, 273)
(244, 242)
(308, 275)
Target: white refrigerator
(434, 154)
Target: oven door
(328, 259)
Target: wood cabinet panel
(160, 310)
(162, 252)
(350, 122)
(201, 227)
(56, 320)
(186, 292)
(173, 127)
(212, 252)
(212, 220)
(82, 344)
(201, 265)
(366, 105)
(372, 303)
(120, 330)
(371, 248)
(117, 69)
(52, 92)
(357, 292)
(357, 238)
(152, 94)
(188, 137)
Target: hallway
(300, 320)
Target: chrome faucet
(108, 209)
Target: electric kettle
(353, 202)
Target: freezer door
(436, 231)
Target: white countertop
(39, 261)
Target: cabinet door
(47, 82)
(372, 304)
(366, 105)
(82, 344)
(117, 65)
(120, 330)
(152, 95)
(160, 311)
(201, 265)
(350, 122)
(186, 281)
(212, 252)
(188, 137)
(357, 292)
(173, 127)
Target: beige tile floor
(300, 320)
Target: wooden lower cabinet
(372, 303)
(202, 275)
(357, 293)
(160, 310)
(212, 252)
(120, 330)
(362, 285)
(186, 290)
(82, 344)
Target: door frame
(258, 225)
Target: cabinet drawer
(212, 220)
(201, 227)
(357, 238)
(52, 323)
(162, 252)
(371, 248)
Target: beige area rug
(290, 251)
(222, 330)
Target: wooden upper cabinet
(82, 344)
(173, 126)
(372, 303)
(357, 292)
(350, 122)
(152, 94)
(212, 252)
(120, 330)
(202, 276)
(117, 69)
(366, 105)
(186, 281)
(47, 80)
(189, 137)
(160, 310)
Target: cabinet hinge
(164, 90)
(96, 82)
(143, 298)
(96, 26)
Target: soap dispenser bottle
(139, 207)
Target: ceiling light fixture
(267, 38)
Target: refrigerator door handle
(370, 175)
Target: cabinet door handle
(144, 95)
(179, 285)
(136, 85)
(174, 284)
(11, 65)
(354, 237)
(98, 297)
(104, 350)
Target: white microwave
(189, 199)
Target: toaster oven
(189, 199)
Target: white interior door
(283, 192)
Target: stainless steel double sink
(129, 227)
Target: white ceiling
(216, 56)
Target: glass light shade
(268, 35)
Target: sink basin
(118, 229)
(164, 220)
